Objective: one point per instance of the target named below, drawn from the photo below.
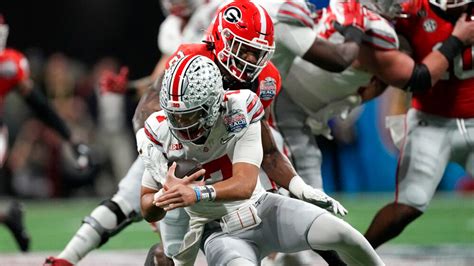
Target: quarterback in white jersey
(222, 131)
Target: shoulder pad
(380, 33)
(269, 84)
(152, 125)
(295, 13)
(243, 108)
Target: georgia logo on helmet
(3, 33)
(242, 33)
(191, 96)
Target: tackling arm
(148, 104)
(332, 57)
(276, 165)
(279, 169)
(400, 70)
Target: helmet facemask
(191, 125)
(242, 58)
(449, 4)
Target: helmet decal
(232, 14)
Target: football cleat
(52, 261)
(14, 222)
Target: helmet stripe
(178, 76)
(263, 21)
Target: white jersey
(231, 140)
(294, 32)
(301, 81)
(172, 34)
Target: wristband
(198, 194)
(451, 47)
(207, 193)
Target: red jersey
(453, 95)
(266, 86)
(13, 69)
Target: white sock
(86, 238)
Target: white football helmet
(191, 96)
(447, 4)
(3, 33)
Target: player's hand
(321, 199)
(178, 196)
(348, 13)
(464, 30)
(116, 83)
(172, 180)
(82, 155)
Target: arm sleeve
(248, 149)
(295, 38)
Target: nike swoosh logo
(225, 140)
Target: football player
(236, 50)
(221, 130)
(312, 96)
(440, 125)
(14, 76)
(122, 209)
(243, 68)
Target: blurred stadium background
(69, 42)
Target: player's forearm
(437, 64)
(275, 164)
(148, 104)
(278, 168)
(150, 212)
(332, 57)
(240, 186)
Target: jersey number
(219, 169)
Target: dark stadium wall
(88, 29)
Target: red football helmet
(3, 33)
(242, 33)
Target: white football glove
(315, 196)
